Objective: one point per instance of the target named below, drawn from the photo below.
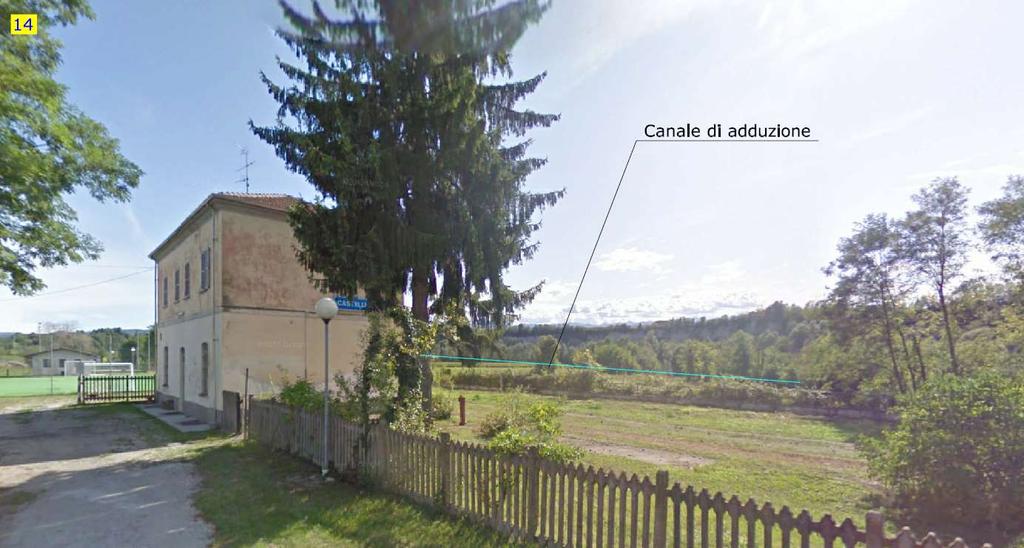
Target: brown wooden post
(246, 399)
(462, 411)
(532, 498)
(660, 509)
(444, 462)
(245, 414)
(874, 534)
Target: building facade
(231, 297)
(59, 361)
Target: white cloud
(889, 124)
(968, 175)
(723, 288)
(680, 303)
(801, 27)
(603, 29)
(723, 273)
(632, 259)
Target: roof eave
(211, 201)
(177, 231)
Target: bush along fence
(532, 499)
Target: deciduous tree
(1002, 226)
(870, 285)
(48, 150)
(935, 243)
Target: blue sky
(898, 92)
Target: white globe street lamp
(326, 309)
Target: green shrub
(957, 452)
(518, 428)
(511, 416)
(302, 394)
(582, 381)
(442, 406)
(410, 417)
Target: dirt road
(92, 477)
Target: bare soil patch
(657, 457)
(73, 476)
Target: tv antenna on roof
(245, 167)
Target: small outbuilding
(58, 361)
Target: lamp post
(326, 309)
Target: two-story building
(231, 296)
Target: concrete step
(176, 419)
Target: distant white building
(59, 361)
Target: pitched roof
(280, 202)
(61, 349)
(274, 202)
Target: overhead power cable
(76, 288)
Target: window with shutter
(204, 270)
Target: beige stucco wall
(188, 249)
(260, 267)
(276, 346)
(188, 334)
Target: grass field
(801, 462)
(37, 386)
(13, 370)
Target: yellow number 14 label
(24, 23)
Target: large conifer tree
(404, 119)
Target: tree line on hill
(899, 311)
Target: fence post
(874, 534)
(533, 485)
(245, 413)
(660, 509)
(444, 462)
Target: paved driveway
(92, 477)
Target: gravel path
(88, 477)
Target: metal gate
(116, 388)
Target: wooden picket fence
(116, 388)
(532, 499)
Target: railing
(530, 498)
(116, 388)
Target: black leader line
(592, 251)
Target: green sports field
(37, 386)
